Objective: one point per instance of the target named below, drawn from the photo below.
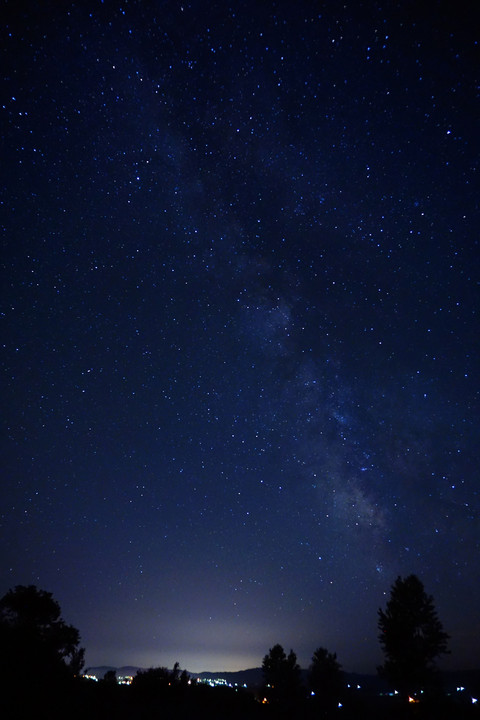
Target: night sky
(240, 378)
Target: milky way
(240, 330)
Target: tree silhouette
(282, 677)
(159, 680)
(411, 635)
(325, 679)
(110, 677)
(153, 678)
(36, 642)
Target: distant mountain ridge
(101, 670)
(251, 677)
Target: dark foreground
(82, 699)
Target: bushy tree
(110, 677)
(159, 681)
(325, 679)
(154, 678)
(411, 635)
(35, 640)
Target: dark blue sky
(240, 295)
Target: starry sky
(240, 269)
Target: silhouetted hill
(253, 678)
(470, 679)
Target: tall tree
(36, 642)
(411, 635)
(326, 679)
(282, 677)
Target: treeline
(41, 661)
